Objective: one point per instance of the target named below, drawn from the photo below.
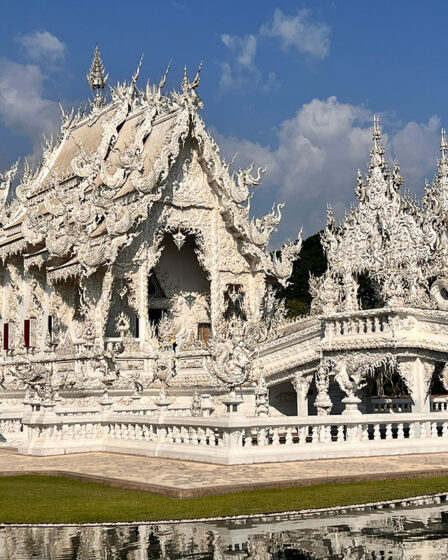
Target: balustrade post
(353, 434)
(351, 406)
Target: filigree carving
(398, 244)
(233, 348)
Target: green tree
(312, 260)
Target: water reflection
(412, 534)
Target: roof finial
(136, 74)
(376, 128)
(96, 76)
(185, 80)
(443, 143)
(194, 84)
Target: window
(50, 326)
(155, 315)
(154, 288)
(6, 336)
(27, 333)
(137, 327)
(204, 331)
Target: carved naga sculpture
(282, 264)
(240, 182)
(260, 229)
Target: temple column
(301, 384)
(323, 402)
(143, 303)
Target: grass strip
(51, 499)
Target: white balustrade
(364, 323)
(238, 439)
(439, 404)
(395, 405)
(11, 428)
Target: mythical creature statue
(107, 366)
(353, 369)
(37, 377)
(323, 402)
(233, 348)
(326, 292)
(196, 403)
(283, 260)
(439, 293)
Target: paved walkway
(187, 479)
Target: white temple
(138, 310)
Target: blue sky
(292, 85)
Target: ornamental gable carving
(391, 240)
(131, 220)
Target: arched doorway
(179, 285)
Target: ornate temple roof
(397, 241)
(107, 168)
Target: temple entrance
(179, 285)
(283, 398)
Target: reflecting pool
(417, 534)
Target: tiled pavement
(185, 479)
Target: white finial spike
(164, 77)
(376, 128)
(137, 72)
(443, 143)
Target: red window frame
(5, 336)
(27, 332)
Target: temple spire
(377, 151)
(376, 129)
(97, 78)
(96, 75)
(443, 143)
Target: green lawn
(38, 498)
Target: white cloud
(415, 146)
(244, 48)
(316, 158)
(23, 107)
(42, 46)
(298, 32)
(293, 31)
(243, 70)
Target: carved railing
(357, 325)
(11, 427)
(237, 439)
(76, 411)
(173, 410)
(396, 405)
(439, 404)
(419, 328)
